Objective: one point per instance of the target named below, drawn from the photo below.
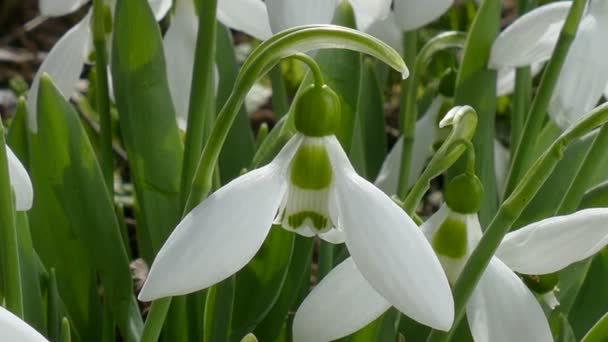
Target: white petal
(501, 165)
(161, 7)
(20, 181)
(502, 309)
(257, 96)
(505, 80)
(413, 14)
(342, 303)
(12, 328)
(179, 44)
(367, 12)
(222, 234)
(552, 244)
(426, 128)
(285, 14)
(249, 16)
(584, 74)
(531, 38)
(387, 31)
(63, 64)
(389, 249)
(334, 236)
(55, 8)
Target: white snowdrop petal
(249, 16)
(552, 244)
(12, 328)
(413, 14)
(388, 248)
(502, 309)
(20, 181)
(63, 64)
(531, 38)
(285, 14)
(222, 234)
(161, 7)
(342, 303)
(583, 78)
(179, 44)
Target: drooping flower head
(310, 188)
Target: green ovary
(451, 239)
(311, 168)
(319, 221)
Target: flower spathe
(12, 328)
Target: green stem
(11, 272)
(510, 210)
(261, 60)
(201, 110)
(280, 104)
(408, 112)
(315, 70)
(103, 97)
(156, 318)
(66, 335)
(444, 158)
(537, 112)
(326, 259)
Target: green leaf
(74, 177)
(599, 332)
(259, 284)
(239, 148)
(147, 119)
(476, 87)
(218, 311)
(297, 278)
(371, 122)
(384, 328)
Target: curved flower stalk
(501, 308)
(427, 133)
(20, 181)
(310, 188)
(12, 328)
(66, 59)
(584, 75)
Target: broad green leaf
(476, 87)
(599, 332)
(238, 148)
(384, 328)
(74, 177)
(218, 311)
(297, 279)
(371, 120)
(592, 300)
(57, 243)
(147, 119)
(561, 329)
(259, 284)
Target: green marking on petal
(310, 168)
(451, 239)
(319, 221)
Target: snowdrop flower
(20, 181)
(530, 40)
(65, 60)
(12, 328)
(310, 188)
(501, 307)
